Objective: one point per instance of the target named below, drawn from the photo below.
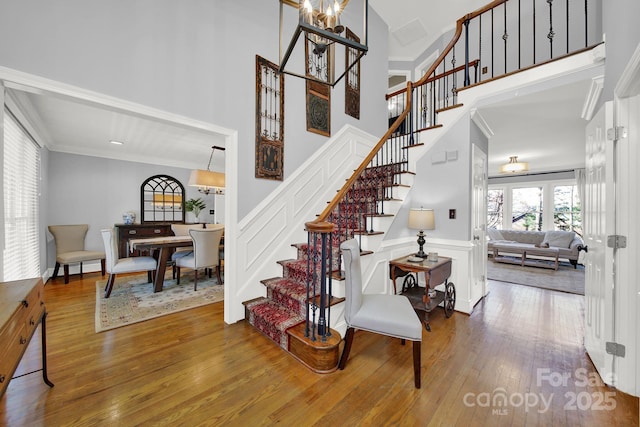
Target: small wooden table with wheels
(424, 300)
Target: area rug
(565, 279)
(132, 299)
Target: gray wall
(622, 37)
(191, 57)
(442, 186)
(96, 191)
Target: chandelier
(208, 180)
(320, 28)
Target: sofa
(552, 244)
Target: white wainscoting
(266, 234)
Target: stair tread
(278, 316)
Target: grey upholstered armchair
(390, 315)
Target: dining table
(161, 249)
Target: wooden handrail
(459, 23)
(434, 78)
(317, 225)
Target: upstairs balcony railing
(501, 38)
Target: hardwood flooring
(190, 368)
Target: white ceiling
(543, 128)
(72, 126)
(416, 24)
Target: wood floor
(191, 369)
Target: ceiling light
(322, 24)
(114, 142)
(514, 166)
(207, 180)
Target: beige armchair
(69, 240)
(206, 248)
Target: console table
(124, 232)
(21, 310)
(424, 300)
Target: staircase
(282, 314)
(296, 312)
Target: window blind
(21, 254)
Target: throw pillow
(558, 238)
(494, 234)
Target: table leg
(43, 336)
(158, 281)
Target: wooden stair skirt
(320, 356)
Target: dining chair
(181, 230)
(390, 315)
(69, 240)
(117, 265)
(206, 247)
(221, 254)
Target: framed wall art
(352, 81)
(269, 154)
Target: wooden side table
(21, 311)
(424, 300)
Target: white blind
(21, 255)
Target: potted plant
(195, 206)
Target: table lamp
(421, 219)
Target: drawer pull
(23, 340)
(157, 231)
(133, 231)
(2, 377)
(32, 322)
(25, 303)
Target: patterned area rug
(565, 279)
(133, 300)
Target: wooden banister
(434, 78)
(343, 191)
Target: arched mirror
(162, 200)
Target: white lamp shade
(422, 219)
(514, 166)
(206, 179)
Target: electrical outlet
(452, 214)
(211, 211)
(485, 70)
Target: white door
(627, 296)
(598, 221)
(479, 226)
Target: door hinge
(615, 349)
(616, 133)
(616, 241)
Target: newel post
(319, 281)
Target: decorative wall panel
(352, 81)
(269, 120)
(318, 95)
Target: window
(535, 206)
(527, 208)
(21, 255)
(567, 214)
(495, 208)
